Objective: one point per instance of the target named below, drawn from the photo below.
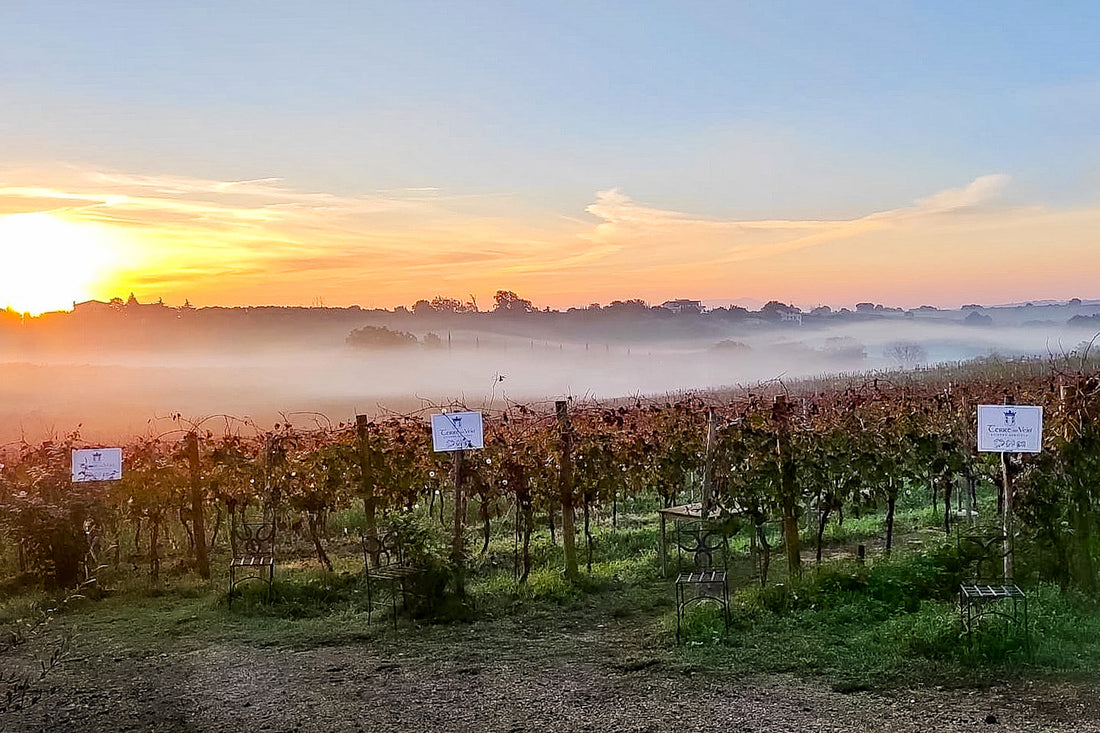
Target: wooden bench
(253, 556)
(386, 571)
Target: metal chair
(707, 581)
(988, 592)
(386, 571)
(253, 556)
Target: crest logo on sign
(454, 431)
(1016, 429)
(96, 464)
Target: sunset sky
(375, 153)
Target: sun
(48, 262)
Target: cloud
(645, 231)
(958, 239)
(626, 225)
(981, 190)
(262, 240)
(183, 227)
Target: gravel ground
(572, 674)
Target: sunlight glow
(48, 262)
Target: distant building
(682, 305)
(94, 307)
(132, 304)
(130, 307)
(775, 311)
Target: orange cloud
(262, 241)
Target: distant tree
(844, 348)
(774, 310)
(423, 308)
(452, 305)
(821, 310)
(730, 313)
(729, 345)
(906, 354)
(505, 301)
(978, 319)
(432, 340)
(1086, 321)
(633, 306)
(866, 307)
(379, 337)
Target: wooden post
(458, 540)
(565, 490)
(788, 492)
(198, 524)
(970, 508)
(662, 552)
(708, 465)
(1006, 518)
(366, 479)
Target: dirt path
(570, 674)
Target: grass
(883, 622)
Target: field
(538, 617)
(573, 669)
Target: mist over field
(116, 381)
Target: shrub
(54, 521)
(379, 337)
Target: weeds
(25, 619)
(888, 620)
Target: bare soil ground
(566, 672)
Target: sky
(377, 153)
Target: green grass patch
(886, 621)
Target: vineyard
(564, 496)
(776, 457)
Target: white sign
(457, 431)
(97, 464)
(1010, 428)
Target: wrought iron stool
(253, 555)
(707, 581)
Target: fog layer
(114, 390)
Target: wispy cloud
(980, 191)
(227, 228)
(262, 240)
(964, 240)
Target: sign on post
(97, 464)
(453, 431)
(1010, 428)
